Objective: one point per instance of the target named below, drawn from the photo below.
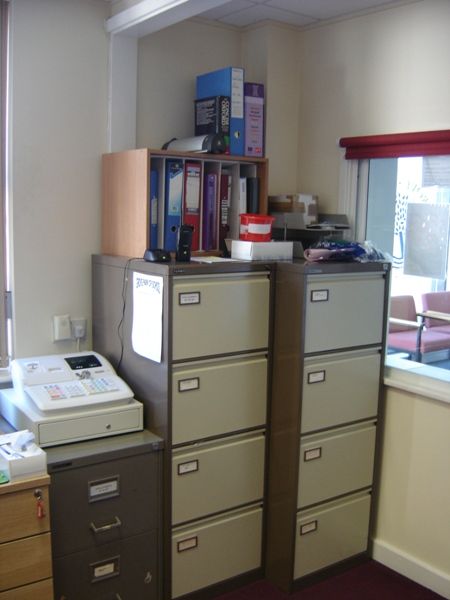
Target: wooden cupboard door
(21, 509)
(25, 561)
(41, 590)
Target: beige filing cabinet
(207, 398)
(25, 545)
(329, 338)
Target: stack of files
(173, 203)
(153, 212)
(191, 200)
(224, 209)
(209, 222)
(228, 81)
(254, 119)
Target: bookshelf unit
(126, 214)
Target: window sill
(417, 378)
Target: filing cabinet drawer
(41, 590)
(335, 463)
(212, 477)
(111, 500)
(214, 550)
(125, 569)
(340, 388)
(219, 315)
(218, 397)
(25, 561)
(344, 311)
(22, 519)
(331, 533)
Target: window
(402, 205)
(4, 297)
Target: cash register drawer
(340, 388)
(335, 463)
(123, 569)
(110, 500)
(218, 397)
(331, 533)
(215, 476)
(344, 311)
(220, 315)
(216, 549)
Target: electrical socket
(61, 328)
(79, 326)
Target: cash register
(69, 398)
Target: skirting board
(411, 567)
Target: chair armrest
(434, 314)
(405, 323)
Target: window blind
(395, 145)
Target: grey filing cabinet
(207, 399)
(106, 518)
(329, 339)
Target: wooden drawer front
(340, 388)
(335, 463)
(343, 312)
(213, 477)
(21, 509)
(330, 534)
(218, 397)
(220, 315)
(120, 493)
(125, 569)
(25, 561)
(41, 590)
(215, 550)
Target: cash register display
(86, 361)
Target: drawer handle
(108, 527)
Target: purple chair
(407, 334)
(437, 302)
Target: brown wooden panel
(25, 561)
(20, 514)
(125, 196)
(41, 590)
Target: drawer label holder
(187, 467)
(319, 295)
(187, 298)
(187, 544)
(188, 385)
(316, 376)
(308, 527)
(102, 489)
(105, 569)
(312, 454)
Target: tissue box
(306, 204)
(21, 464)
(261, 250)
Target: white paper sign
(146, 335)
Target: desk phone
(75, 380)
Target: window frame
(403, 374)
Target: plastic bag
(344, 251)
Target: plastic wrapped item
(343, 251)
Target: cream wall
(168, 63)
(381, 73)
(59, 104)
(413, 523)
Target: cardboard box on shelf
(306, 204)
(244, 250)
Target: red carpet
(369, 581)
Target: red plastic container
(256, 228)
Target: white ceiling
(242, 13)
(143, 17)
